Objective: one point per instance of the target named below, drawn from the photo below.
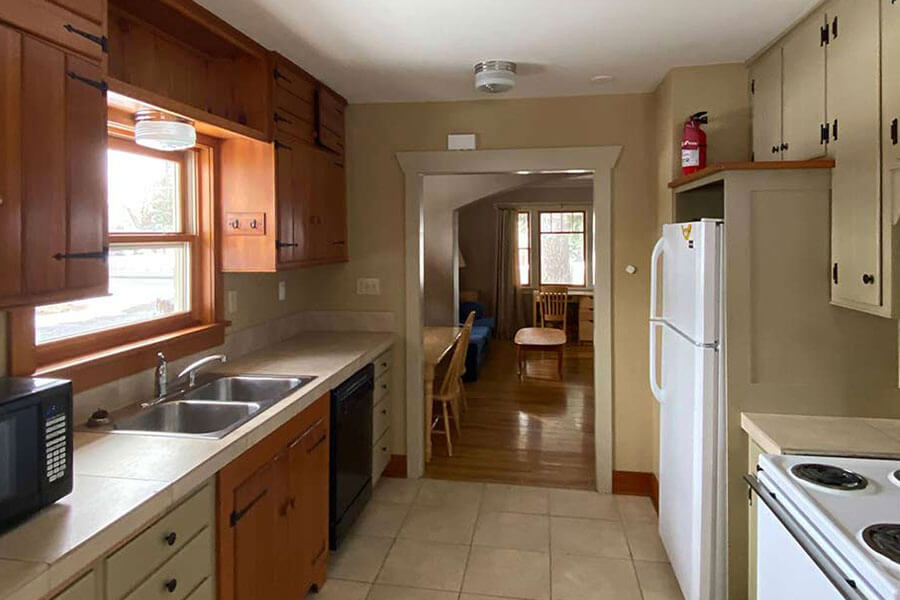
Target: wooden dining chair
(449, 392)
(554, 306)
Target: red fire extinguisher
(693, 143)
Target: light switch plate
(368, 286)
(231, 302)
(282, 290)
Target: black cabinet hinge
(279, 75)
(834, 273)
(823, 35)
(98, 255)
(279, 244)
(100, 40)
(239, 514)
(752, 86)
(834, 130)
(894, 133)
(834, 28)
(96, 83)
(823, 133)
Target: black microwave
(35, 444)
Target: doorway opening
(597, 162)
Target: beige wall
(377, 132)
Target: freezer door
(688, 463)
(689, 298)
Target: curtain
(510, 309)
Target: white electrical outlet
(282, 290)
(368, 286)
(231, 305)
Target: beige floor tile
(398, 491)
(588, 537)
(644, 542)
(448, 524)
(359, 558)
(593, 578)
(584, 504)
(429, 565)
(340, 589)
(440, 492)
(394, 592)
(636, 509)
(514, 498)
(657, 581)
(517, 531)
(381, 519)
(508, 573)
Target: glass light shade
(165, 135)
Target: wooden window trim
(520, 247)
(584, 246)
(94, 359)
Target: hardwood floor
(537, 432)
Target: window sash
(584, 245)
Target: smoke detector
(495, 76)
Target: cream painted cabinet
(83, 589)
(381, 415)
(803, 91)
(765, 100)
(853, 120)
(890, 136)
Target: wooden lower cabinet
(273, 512)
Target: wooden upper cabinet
(330, 113)
(53, 177)
(77, 25)
(803, 55)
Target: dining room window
(523, 242)
(563, 248)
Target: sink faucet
(191, 369)
(161, 375)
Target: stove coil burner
(884, 539)
(830, 476)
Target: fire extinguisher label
(690, 158)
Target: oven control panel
(55, 440)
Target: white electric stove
(827, 528)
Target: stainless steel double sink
(212, 409)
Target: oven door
(20, 454)
(791, 562)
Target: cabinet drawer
(383, 363)
(204, 592)
(294, 115)
(382, 387)
(83, 589)
(182, 573)
(585, 331)
(158, 543)
(381, 417)
(381, 454)
(586, 302)
(586, 314)
(290, 78)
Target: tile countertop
(824, 436)
(125, 482)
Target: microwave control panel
(55, 430)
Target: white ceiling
(420, 50)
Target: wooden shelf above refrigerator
(746, 166)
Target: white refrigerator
(687, 373)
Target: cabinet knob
(253, 223)
(234, 223)
(868, 278)
(784, 147)
(170, 538)
(171, 585)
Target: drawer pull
(318, 443)
(239, 514)
(170, 539)
(171, 585)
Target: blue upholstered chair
(482, 331)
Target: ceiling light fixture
(495, 76)
(161, 131)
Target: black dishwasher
(351, 451)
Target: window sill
(91, 370)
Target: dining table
(438, 343)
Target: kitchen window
(162, 276)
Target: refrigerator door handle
(655, 387)
(654, 278)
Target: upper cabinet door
(77, 25)
(890, 143)
(330, 120)
(285, 200)
(803, 55)
(95, 10)
(854, 112)
(765, 100)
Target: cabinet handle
(239, 514)
(98, 255)
(834, 273)
(100, 40)
(774, 149)
(96, 83)
(170, 538)
(834, 130)
(254, 223)
(318, 443)
(234, 224)
(868, 278)
(784, 147)
(280, 244)
(279, 75)
(834, 29)
(171, 585)
(894, 133)
(338, 243)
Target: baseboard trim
(636, 483)
(396, 467)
